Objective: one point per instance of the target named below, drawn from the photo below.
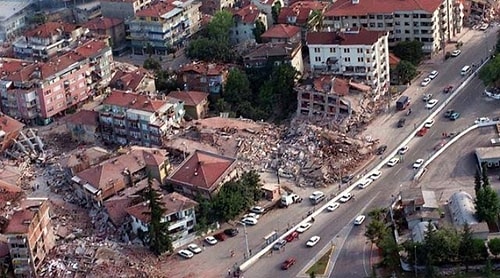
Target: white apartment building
(356, 53)
(245, 19)
(13, 18)
(432, 22)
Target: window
(317, 59)
(380, 25)
(316, 50)
(359, 50)
(407, 31)
(371, 17)
(346, 50)
(407, 23)
(368, 60)
(332, 49)
(372, 25)
(347, 59)
(379, 17)
(360, 59)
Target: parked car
(482, 120)
(401, 122)
(359, 220)
(313, 241)
(211, 240)
(304, 227)
(431, 103)
(257, 209)
(346, 179)
(375, 175)
(220, 236)
(280, 244)
(252, 215)
(455, 53)
(381, 149)
(333, 206)
(418, 163)
(288, 263)
(427, 97)
(403, 150)
(293, 235)
(186, 254)
(429, 123)
(195, 249)
(231, 232)
(249, 221)
(433, 74)
(422, 131)
(454, 116)
(345, 198)
(393, 161)
(448, 89)
(365, 183)
(448, 113)
(425, 82)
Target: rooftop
(21, 218)
(8, 124)
(84, 117)
(488, 153)
(365, 7)
(281, 31)
(103, 23)
(160, 9)
(352, 36)
(272, 49)
(190, 98)
(50, 29)
(205, 68)
(134, 101)
(125, 80)
(91, 48)
(246, 14)
(10, 8)
(202, 169)
(172, 203)
(462, 209)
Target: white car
(333, 206)
(427, 97)
(418, 163)
(249, 221)
(403, 150)
(194, 248)
(365, 183)
(186, 254)
(304, 227)
(393, 162)
(251, 215)
(345, 198)
(257, 209)
(375, 175)
(431, 103)
(359, 220)
(313, 241)
(211, 240)
(425, 82)
(455, 52)
(433, 74)
(482, 120)
(429, 123)
(316, 195)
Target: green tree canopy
(151, 64)
(259, 29)
(218, 28)
(466, 248)
(376, 231)
(490, 73)
(405, 71)
(410, 51)
(158, 238)
(494, 246)
(487, 204)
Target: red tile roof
(156, 10)
(50, 29)
(281, 31)
(123, 80)
(393, 59)
(205, 68)
(301, 10)
(202, 169)
(365, 7)
(103, 23)
(353, 37)
(59, 63)
(84, 117)
(116, 208)
(246, 14)
(91, 48)
(190, 98)
(134, 101)
(21, 219)
(172, 203)
(8, 124)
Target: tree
(166, 81)
(218, 28)
(315, 20)
(410, 51)
(151, 64)
(259, 29)
(490, 73)
(237, 88)
(466, 249)
(484, 175)
(405, 72)
(480, 249)
(494, 246)
(376, 231)
(488, 269)
(487, 204)
(158, 238)
(275, 11)
(477, 181)
(390, 251)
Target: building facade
(204, 77)
(276, 54)
(114, 28)
(30, 236)
(432, 22)
(358, 54)
(13, 18)
(163, 25)
(180, 216)
(195, 102)
(123, 9)
(245, 19)
(129, 118)
(99, 56)
(9, 130)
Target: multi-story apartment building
(179, 214)
(245, 19)
(9, 130)
(431, 22)
(129, 118)
(29, 236)
(40, 90)
(275, 53)
(282, 33)
(114, 28)
(47, 40)
(108, 178)
(305, 14)
(13, 18)
(205, 77)
(123, 9)
(163, 25)
(355, 53)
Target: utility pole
(415, 254)
(247, 250)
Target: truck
(402, 103)
(289, 199)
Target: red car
(288, 263)
(422, 131)
(292, 236)
(448, 89)
(220, 236)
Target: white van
(316, 197)
(466, 70)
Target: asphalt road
(352, 258)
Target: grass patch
(319, 267)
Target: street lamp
(279, 163)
